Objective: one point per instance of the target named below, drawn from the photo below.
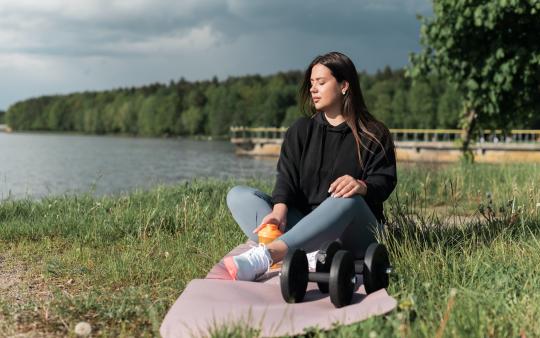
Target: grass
(463, 239)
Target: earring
(343, 92)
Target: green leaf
(472, 85)
(478, 16)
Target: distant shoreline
(121, 135)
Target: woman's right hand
(278, 216)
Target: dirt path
(19, 289)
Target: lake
(35, 165)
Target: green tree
(128, 114)
(78, 105)
(241, 116)
(220, 108)
(382, 93)
(422, 105)
(276, 100)
(291, 114)
(167, 114)
(146, 117)
(449, 108)
(192, 120)
(113, 116)
(58, 117)
(400, 110)
(491, 52)
(196, 98)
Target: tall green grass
(464, 241)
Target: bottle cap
(270, 231)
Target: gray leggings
(348, 219)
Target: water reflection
(37, 165)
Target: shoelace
(258, 257)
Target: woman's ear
(344, 86)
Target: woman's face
(325, 91)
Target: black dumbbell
(324, 260)
(374, 267)
(337, 277)
(339, 280)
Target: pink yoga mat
(217, 301)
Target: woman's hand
(278, 216)
(346, 186)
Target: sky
(62, 46)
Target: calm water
(37, 165)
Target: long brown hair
(353, 106)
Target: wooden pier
(422, 145)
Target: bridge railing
(425, 135)
(481, 136)
(408, 135)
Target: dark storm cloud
(341, 19)
(65, 46)
(72, 33)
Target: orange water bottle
(267, 234)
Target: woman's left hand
(346, 186)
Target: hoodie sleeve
(381, 175)
(287, 179)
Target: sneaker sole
(231, 267)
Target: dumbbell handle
(359, 267)
(324, 277)
(320, 277)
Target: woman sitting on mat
(335, 170)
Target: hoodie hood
(320, 118)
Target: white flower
(83, 329)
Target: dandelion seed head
(83, 329)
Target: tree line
(210, 107)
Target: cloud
(99, 26)
(150, 41)
(194, 40)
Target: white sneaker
(249, 265)
(312, 260)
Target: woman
(335, 170)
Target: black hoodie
(314, 154)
